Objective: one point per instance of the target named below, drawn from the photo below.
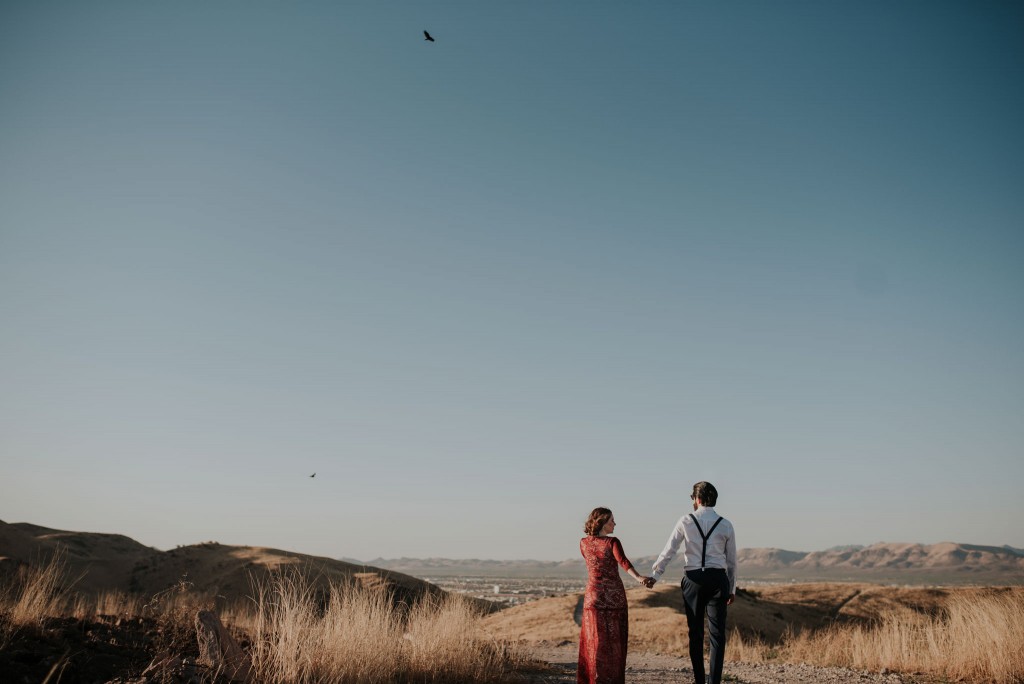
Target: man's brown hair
(705, 493)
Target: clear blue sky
(570, 254)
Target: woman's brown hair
(599, 517)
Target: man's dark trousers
(707, 591)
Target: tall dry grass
(298, 635)
(974, 638)
(359, 635)
(113, 603)
(39, 592)
(749, 649)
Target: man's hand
(729, 600)
(648, 582)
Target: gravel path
(663, 669)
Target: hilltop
(100, 562)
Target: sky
(568, 255)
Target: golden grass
(40, 592)
(749, 649)
(299, 633)
(973, 634)
(973, 638)
(358, 635)
(113, 603)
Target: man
(709, 582)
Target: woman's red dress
(605, 628)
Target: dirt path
(663, 669)
(839, 608)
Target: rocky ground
(77, 651)
(663, 669)
(95, 651)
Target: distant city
(508, 590)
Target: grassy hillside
(657, 621)
(98, 563)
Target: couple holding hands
(709, 585)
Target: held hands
(648, 582)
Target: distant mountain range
(944, 563)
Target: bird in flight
(428, 37)
(313, 475)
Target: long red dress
(605, 628)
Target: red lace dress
(605, 628)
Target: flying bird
(313, 475)
(428, 37)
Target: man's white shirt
(721, 549)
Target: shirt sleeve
(669, 552)
(620, 556)
(730, 559)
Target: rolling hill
(98, 562)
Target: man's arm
(730, 561)
(669, 552)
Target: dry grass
(358, 635)
(299, 633)
(38, 593)
(113, 603)
(749, 649)
(972, 634)
(973, 638)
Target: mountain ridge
(890, 561)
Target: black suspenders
(704, 538)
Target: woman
(605, 628)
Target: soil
(643, 668)
(73, 651)
(76, 650)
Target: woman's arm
(620, 556)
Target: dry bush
(353, 634)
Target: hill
(100, 562)
(658, 621)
